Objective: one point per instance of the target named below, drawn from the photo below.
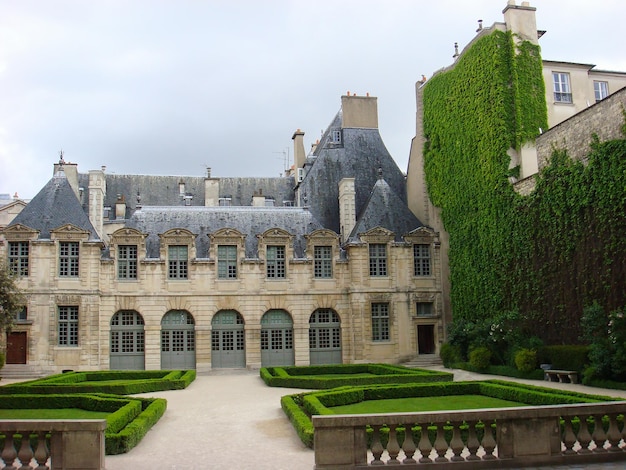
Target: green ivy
(547, 255)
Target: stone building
(324, 265)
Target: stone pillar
(347, 207)
(97, 192)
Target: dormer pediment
(227, 236)
(177, 235)
(20, 232)
(276, 235)
(69, 232)
(377, 235)
(322, 236)
(125, 236)
(421, 235)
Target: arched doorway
(127, 347)
(178, 340)
(277, 339)
(324, 337)
(228, 345)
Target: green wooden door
(127, 346)
(228, 346)
(178, 340)
(277, 339)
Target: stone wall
(605, 119)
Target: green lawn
(412, 404)
(61, 413)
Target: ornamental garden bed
(300, 407)
(128, 419)
(332, 376)
(111, 381)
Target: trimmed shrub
(526, 360)
(480, 358)
(450, 354)
(565, 357)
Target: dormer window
(224, 201)
(335, 136)
(269, 202)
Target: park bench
(564, 376)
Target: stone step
(424, 361)
(20, 371)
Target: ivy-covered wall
(546, 255)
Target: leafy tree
(11, 299)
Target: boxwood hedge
(129, 419)
(116, 382)
(300, 407)
(338, 375)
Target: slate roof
(385, 209)
(201, 221)
(54, 206)
(359, 155)
(164, 190)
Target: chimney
(211, 190)
(347, 207)
(521, 21)
(97, 191)
(120, 207)
(359, 111)
(258, 200)
(298, 149)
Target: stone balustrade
(474, 439)
(72, 444)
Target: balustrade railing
(488, 438)
(52, 444)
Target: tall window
(68, 259)
(601, 90)
(378, 259)
(276, 261)
(68, 326)
(226, 262)
(323, 261)
(18, 258)
(380, 322)
(562, 90)
(177, 262)
(127, 261)
(421, 260)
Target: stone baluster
(41, 453)
(569, 438)
(584, 437)
(488, 443)
(377, 446)
(9, 454)
(25, 454)
(441, 445)
(613, 434)
(472, 441)
(393, 448)
(598, 436)
(424, 444)
(456, 443)
(408, 446)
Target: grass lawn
(60, 413)
(412, 404)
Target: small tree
(11, 299)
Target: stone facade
(121, 272)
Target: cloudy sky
(172, 87)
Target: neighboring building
(9, 208)
(326, 266)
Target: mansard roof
(385, 209)
(201, 221)
(54, 206)
(359, 155)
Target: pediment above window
(20, 232)
(377, 235)
(69, 232)
(425, 235)
(276, 236)
(177, 236)
(227, 236)
(322, 237)
(127, 236)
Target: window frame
(421, 310)
(177, 266)
(275, 262)
(378, 259)
(67, 325)
(422, 260)
(126, 262)
(323, 262)
(69, 259)
(562, 88)
(227, 261)
(18, 257)
(380, 322)
(601, 91)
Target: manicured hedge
(116, 382)
(565, 357)
(321, 377)
(300, 407)
(129, 419)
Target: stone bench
(564, 376)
